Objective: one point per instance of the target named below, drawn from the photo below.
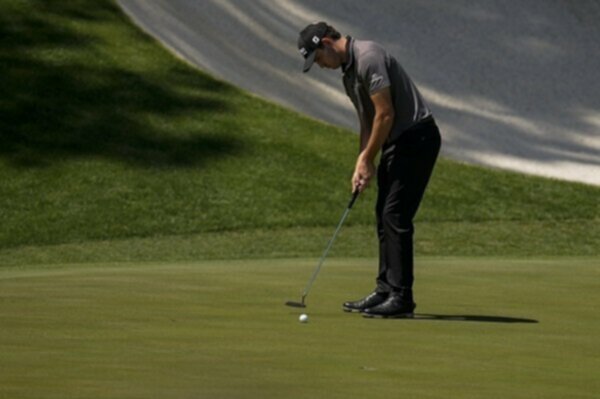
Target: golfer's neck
(340, 46)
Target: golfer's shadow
(473, 318)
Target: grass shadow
(63, 94)
(474, 318)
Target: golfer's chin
(329, 65)
(333, 66)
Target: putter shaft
(313, 277)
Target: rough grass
(106, 137)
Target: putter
(301, 304)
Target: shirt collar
(350, 52)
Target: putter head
(295, 304)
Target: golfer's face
(325, 57)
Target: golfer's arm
(363, 135)
(382, 123)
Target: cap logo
(316, 39)
(303, 51)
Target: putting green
(487, 328)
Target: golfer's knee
(396, 223)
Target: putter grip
(354, 197)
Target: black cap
(309, 41)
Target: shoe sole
(348, 310)
(391, 316)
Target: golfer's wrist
(367, 155)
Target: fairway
(218, 329)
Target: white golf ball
(303, 318)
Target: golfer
(395, 120)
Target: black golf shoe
(371, 300)
(393, 307)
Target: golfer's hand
(363, 172)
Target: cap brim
(308, 62)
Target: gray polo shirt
(369, 69)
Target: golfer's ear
(327, 41)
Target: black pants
(402, 177)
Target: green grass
(450, 238)
(106, 137)
(492, 328)
(126, 173)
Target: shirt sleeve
(373, 72)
